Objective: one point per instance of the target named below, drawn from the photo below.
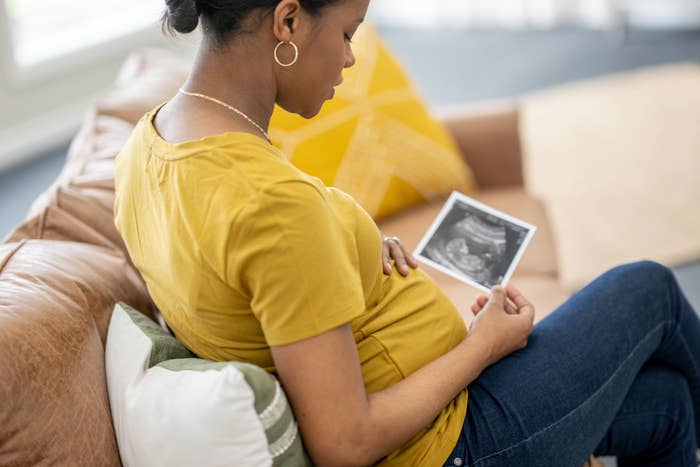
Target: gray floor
(458, 66)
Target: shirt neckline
(173, 151)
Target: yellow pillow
(376, 139)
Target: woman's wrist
(477, 351)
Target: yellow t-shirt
(241, 250)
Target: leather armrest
(489, 140)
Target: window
(505, 13)
(42, 30)
(537, 13)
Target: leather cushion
(78, 206)
(148, 77)
(56, 300)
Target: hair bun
(183, 15)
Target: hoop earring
(296, 54)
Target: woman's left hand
(402, 258)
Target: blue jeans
(615, 370)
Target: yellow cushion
(376, 139)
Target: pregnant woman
(250, 259)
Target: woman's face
(324, 51)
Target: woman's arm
(489, 139)
(343, 425)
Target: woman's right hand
(502, 322)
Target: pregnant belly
(413, 324)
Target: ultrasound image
(475, 244)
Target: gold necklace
(230, 107)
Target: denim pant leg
(552, 403)
(655, 425)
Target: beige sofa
(63, 269)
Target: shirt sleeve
(297, 263)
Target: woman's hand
(593, 462)
(482, 299)
(502, 321)
(402, 258)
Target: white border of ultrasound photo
(472, 203)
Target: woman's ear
(286, 19)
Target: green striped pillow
(172, 409)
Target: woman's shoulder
(174, 134)
(178, 122)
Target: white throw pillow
(171, 409)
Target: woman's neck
(237, 77)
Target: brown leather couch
(65, 266)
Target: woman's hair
(221, 19)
